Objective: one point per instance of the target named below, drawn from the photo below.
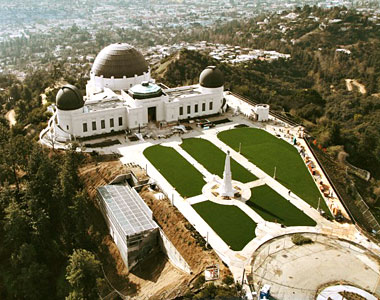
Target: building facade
(121, 95)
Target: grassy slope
(213, 159)
(274, 208)
(177, 170)
(266, 151)
(229, 222)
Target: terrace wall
(172, 253)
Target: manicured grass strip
(267, 151)
(272, 207)
(187, 180)
(229, 222)
(213, 159)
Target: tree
(83, 274)
(16, 226)
(27, 278)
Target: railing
(330, 180)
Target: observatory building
(121, 95)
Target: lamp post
(239, 147)
(274, 174)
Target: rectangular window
(203, 106)
(111, 123)
(67, 127)
(181, 111)
(103, 124)
(188, 109)
(93, 125)
(84, 127)
(210, 106)
(196, 108)
(120, 121)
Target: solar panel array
(128, 209)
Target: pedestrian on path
(289, 193)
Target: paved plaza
(132, 152)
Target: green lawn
(229, 222)
(272, 207)
(213, 159)
(267, 151)
(187, 180)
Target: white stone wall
(172, 253)
(216, 98)
(72, 121)
(97, 117)
(135, 112)
(65, 119)
(116, 84)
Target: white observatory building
(121, 95)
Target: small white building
(121, 95)
(261, 112)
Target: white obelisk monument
(225, 189)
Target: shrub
(199, 282)
(228, 280)
(299, 240)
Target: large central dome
(119, 60)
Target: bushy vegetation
(211, 291)
(44, 223)
(299, 240)
(309, 87)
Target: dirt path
(157, 278)
(59, 83)
(11, 117)
(353, 82)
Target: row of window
(102, 124)
(210, 107)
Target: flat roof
(127, 208)
(101, 105)
(183, 92)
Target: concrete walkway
(236, 260)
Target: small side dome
(211, 77)
(69, 98)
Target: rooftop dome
(119, 60)
(211, 77)
(145, 90)
(69, 98)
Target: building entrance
(152, 114)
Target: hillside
(330, 84)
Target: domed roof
(211, 77)
(145, 90)
(119, 60)
(69, 98)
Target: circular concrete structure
(299, 272)
(344, 292)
